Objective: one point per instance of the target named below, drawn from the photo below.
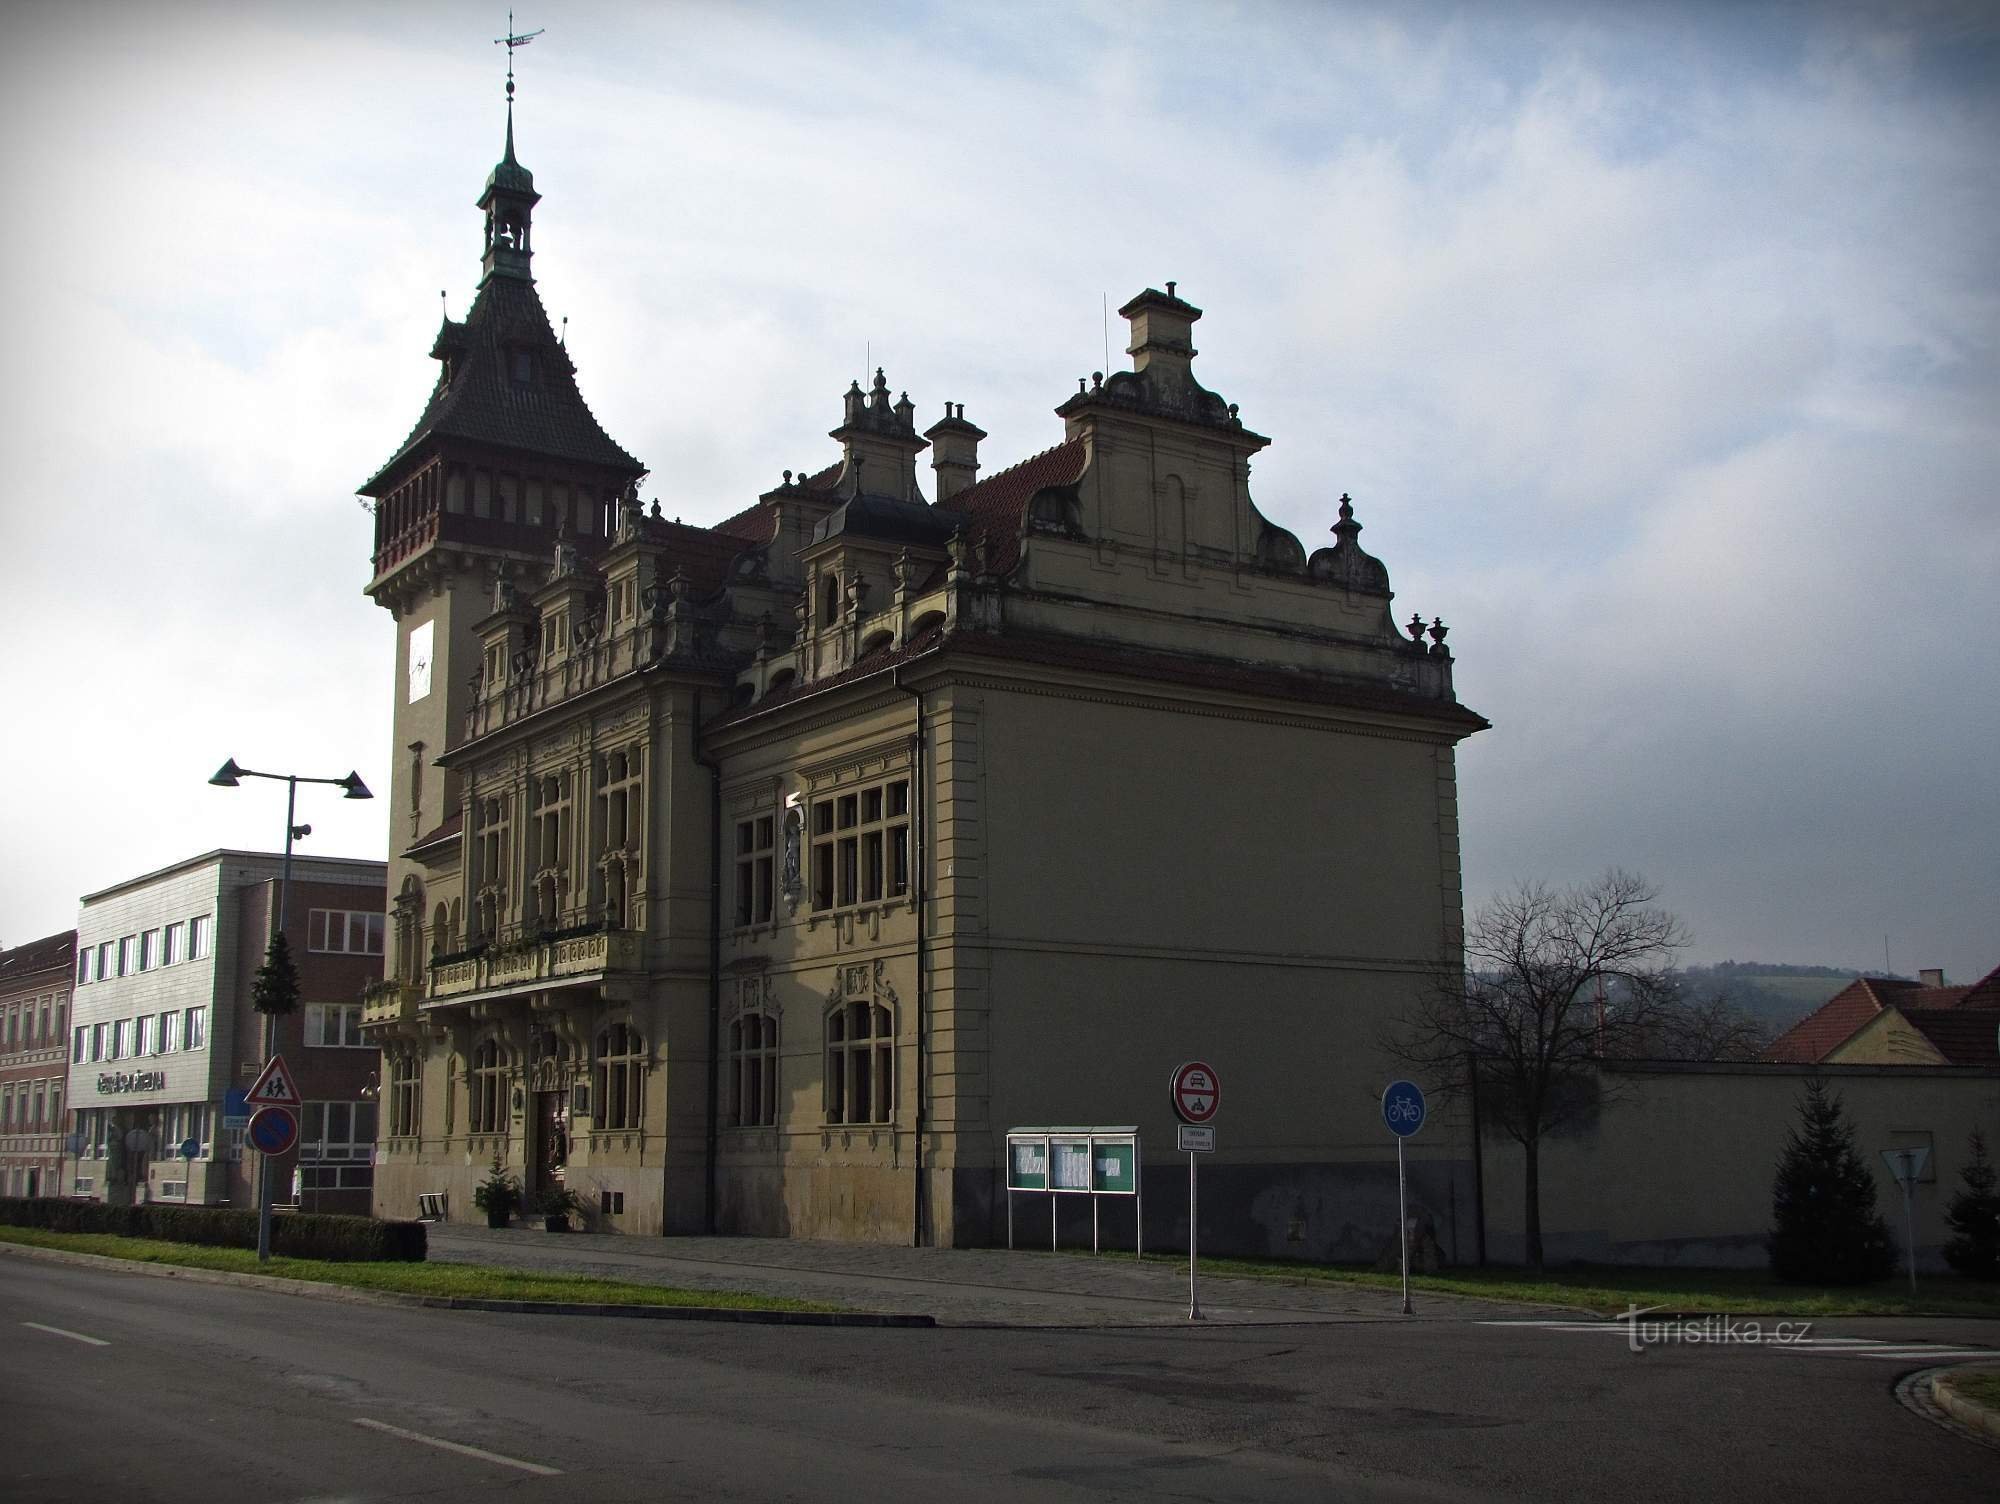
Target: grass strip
(1613, 1290)
(462, 1281)
(1982, 1387)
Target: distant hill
(1777, 995)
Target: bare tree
(1553, 981)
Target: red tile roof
(754, 524)
(1809, 1041)
(1984, 993)
(449, 827)
(996, 508)
(52, 953)
(1964, 1036)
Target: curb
(1967, 1412)
(317, 1290)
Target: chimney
(1931, 976)
(1162, 331)
(954, 451)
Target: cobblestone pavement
(959, 1286)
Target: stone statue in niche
(794, 887)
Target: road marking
(456, 1446)
(57, 1331)
(1811, 1347)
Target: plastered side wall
(1679, 1167)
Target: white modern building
(162, 1032)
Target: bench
(431, 1206)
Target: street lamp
(227, 776)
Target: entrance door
(551, 1138)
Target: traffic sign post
(1196, 1093)
(1403, 1110)
(273, 1130)
(1906, 1165)
(273, 1090)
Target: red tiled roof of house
(50, 953)
(1984, 993)
(1964, 1036)
(1809, 1041)
(995, 508)
(451, 825)
(754, 523)
(698, 552)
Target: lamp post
(227, 776)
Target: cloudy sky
(1658, 345)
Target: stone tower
(505, 467)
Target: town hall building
(759, 877)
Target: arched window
(440, 929)
(405, 1095)
(860, 1064)
(620, 1076)
(753, 1068)
(488, 1109)
(829, 599)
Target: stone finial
(655, 513)
(1438, 631)
(878, 394)
(1416, 630)
(788, 480)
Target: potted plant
(497, 1195)
(556, 1205)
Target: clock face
(420, 661)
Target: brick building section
(34, 1029)
(345, 1078)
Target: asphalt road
(209, 1393)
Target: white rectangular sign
(1197, 1140)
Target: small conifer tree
(276, 990)
(1974, 1216)
(1824, 1226)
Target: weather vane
(510, 41)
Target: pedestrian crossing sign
(274, 1086)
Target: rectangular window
(197, 1028)
(83, 959)
(10, 1029)
(170, 1032)
(753, 869)
(55, 1106)
(100, 1041)
(79, 1043)
(198, 936)
(336, 1131)
(41, 1106)
(103, 960)
(334, 1025)
(121, 1039)
(143, 1044)
(345, 932)
(125, 955)
(149, 950)
(172, 943)
(861, 846)
(7, 1108)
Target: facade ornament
(1416, 630)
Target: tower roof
(481, 396)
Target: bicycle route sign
(1403, 1108)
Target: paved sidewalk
(959, 1286)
